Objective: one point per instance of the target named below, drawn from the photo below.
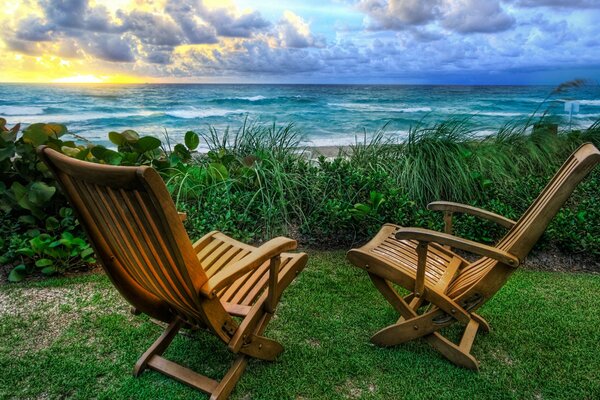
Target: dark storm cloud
(159, 57)
(111, 48)
(229, 25)
(152, 29)
(184, 14)
(399, 14)
(251, 58)
(33, 29)
(477, 16)
(77, 14)
(461, 16)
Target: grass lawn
(74, 337)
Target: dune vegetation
(258, 181)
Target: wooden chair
(140, 240)
(448, 288)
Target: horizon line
(267, 83)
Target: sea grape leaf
(18, 273)
(130, 136)
(147, 143)
(116, 138)
(192, 140)
(40, 193)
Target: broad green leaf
(65, 212)
(39, 193)
(87, 253)
(49, 271)
(182, 152)
(55, 130)
(116, 138)
(98, 151)
(35, 135)
(18, 273)
(18, 190)
(217, 171)
(83, 154)
(7, 152)
(26, 251)
(147, 143)
(43, 262)
(67, 235)
(52, 223)
(192, 140)
(112, 157)
(70, 151)
(130, 136)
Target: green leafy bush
(258, 182)
(43, 234)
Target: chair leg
(158, 347)
(230, 379)
(218, 390)
(483, 324)
(456, 354)
(412, 326)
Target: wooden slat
(182, 374)
(261, 285)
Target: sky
(300, 41)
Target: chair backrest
(137, 234)
(523, 236)
(525, 233)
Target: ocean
(325, 114)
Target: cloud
(393, 40)
(472, 16)
(461, 16)
(33, 29)
(292, 31)
(559, 3)
(398, 14)
(77, 15)
(111, 48)
(185, 15)
(229, 25)
(152, 29)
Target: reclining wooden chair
(140, 240)
(453, 288)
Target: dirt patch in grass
(554, 260)
(47, 312)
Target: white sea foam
(193, 112)
(21, 110)
(586, 116)
(589, 102)
(252, 98)
(75, 117)
(501, 114)
(380, 108)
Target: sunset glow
(340, 41)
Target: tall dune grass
(268, 185)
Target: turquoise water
(326, 114)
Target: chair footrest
(182, 374)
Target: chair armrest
(427, 236)
(182, 216)
(448, 206)
(268, 250)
